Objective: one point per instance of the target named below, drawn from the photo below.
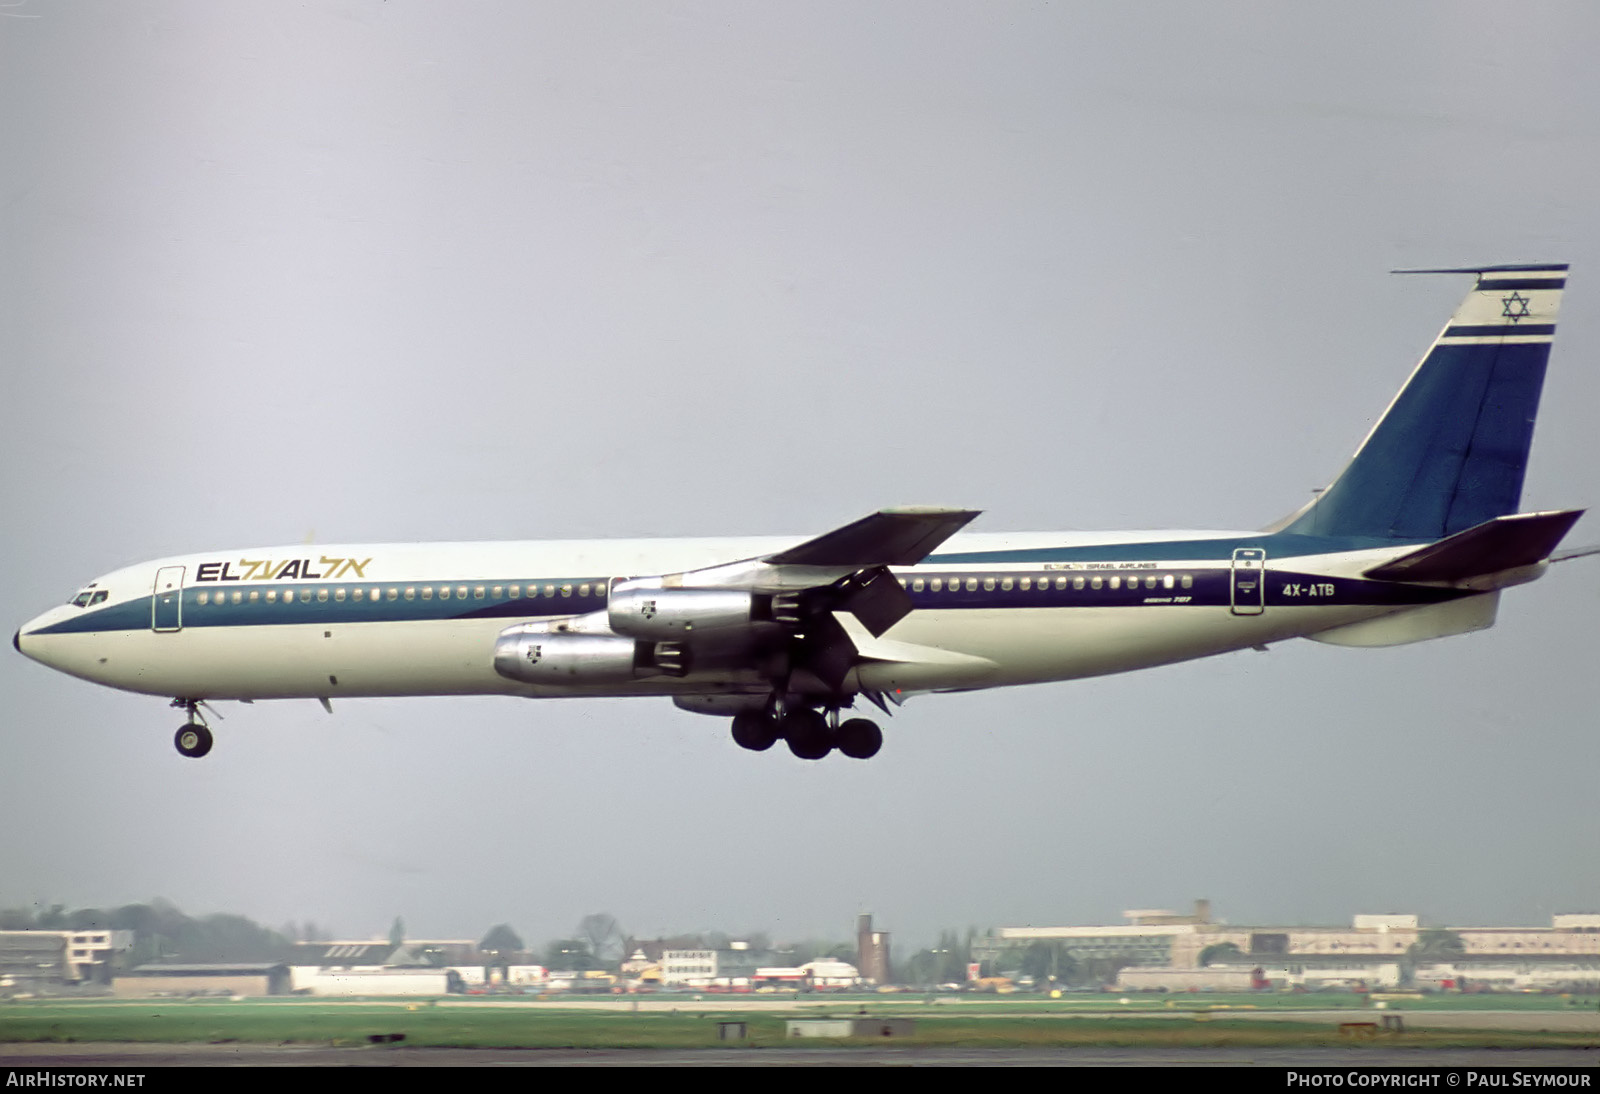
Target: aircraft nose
(32, 648)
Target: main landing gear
(810, 734)
(193, 739)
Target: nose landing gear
(193, 739)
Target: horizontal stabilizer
(892, 537)
(1503, 543)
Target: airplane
(1414, 540)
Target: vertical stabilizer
(1452, 449)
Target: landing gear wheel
(859, 739)
(755, 731)
(193, 740)
(807, 733)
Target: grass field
(691, 1023)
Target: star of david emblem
(534, 653)
(648, 609)
(1516, 306)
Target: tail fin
(1452, 449)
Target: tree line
(164, 933)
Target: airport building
(237, 980)
(59, 957)
(369, 967)
(741, 968)
(1377, 950)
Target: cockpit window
(99, 597)
(81, 600)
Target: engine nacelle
(640, 608)
(533, 654)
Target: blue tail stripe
(1501, 331)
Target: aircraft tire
(859, 739)
(807, 733)
(193, 740)
(755, 731)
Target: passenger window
(972, 584)
(1061, 583)
(427, 592)
(1166, 581)
(1005, 583)
(272, 596)
(411, 592)
(1077, 582)
(1097, 581)
(237, 596)
(338, 594)
(936, 584)
(393, 593)
(444, 592)
(355, 594)
(305, 596)
(322, 595)
(583, 590)
(516, 592)
(1025, 583)
(1116, 583)
(1188, 581)
(461, 592)
(549, 590)
(566, 590)
(204, 598)
(988, 584)
(255, 595)
(498, 591)
(477, 593)
(918, 585)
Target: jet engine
(535, 655)
(641, 608)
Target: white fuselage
(423, 619)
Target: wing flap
(868, 647)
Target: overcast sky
(398, 271)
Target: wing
(861, 553)
(889, 537)
(868, 591)
(777, 612)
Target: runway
(136, 1057)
